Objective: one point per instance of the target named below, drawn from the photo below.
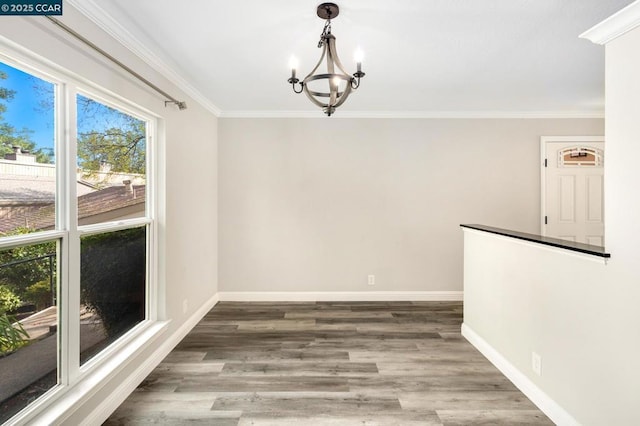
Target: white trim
(151, 282)
(56, 410)
(415, 114)
(338, 296)
(544, 402)
(124, 389)
(160, 221)
(543, 184)
(30, 239)
(97, 228)
(111, 26)
(614, 26)
(578, 139)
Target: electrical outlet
(371, 280)
(185, 306)
(536, 363)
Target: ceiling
(422, 57)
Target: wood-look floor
(400, 363)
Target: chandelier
(339, 82)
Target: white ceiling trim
(415, 114)
(98, 16)
(615, 25)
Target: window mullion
(62, 297)
(154, 312)
(71, 254)
(151, 307)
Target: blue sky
(24, 110)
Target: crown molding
(416, 114)
(614, 26)
(97, 15)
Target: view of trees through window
(27, 152)
(34, 133)
(28, 325)
(28, 273)
(112, 287)
(111, 163)
(111, 186)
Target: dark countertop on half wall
(539, 239)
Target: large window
(76, 231)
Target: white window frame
(71, 375)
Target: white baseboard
(552, 409)
(339, 296)
(116, 398)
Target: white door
(572, 179)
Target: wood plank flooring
(362, 363)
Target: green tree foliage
(109, 136)
(5, 94)
(12, 337)
(17, 275)
(122, 148)
(40, 294)
(9, 302)
(105, 135)
(112, 278)
(10, 136)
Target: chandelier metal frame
(335, 73)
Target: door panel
(567, 199)
(594, 198)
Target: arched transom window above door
(580, 156)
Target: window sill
(63, 401)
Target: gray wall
(318, 204)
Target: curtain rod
(171, 100)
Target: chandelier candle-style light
(339, 82)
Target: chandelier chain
(325, 31)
